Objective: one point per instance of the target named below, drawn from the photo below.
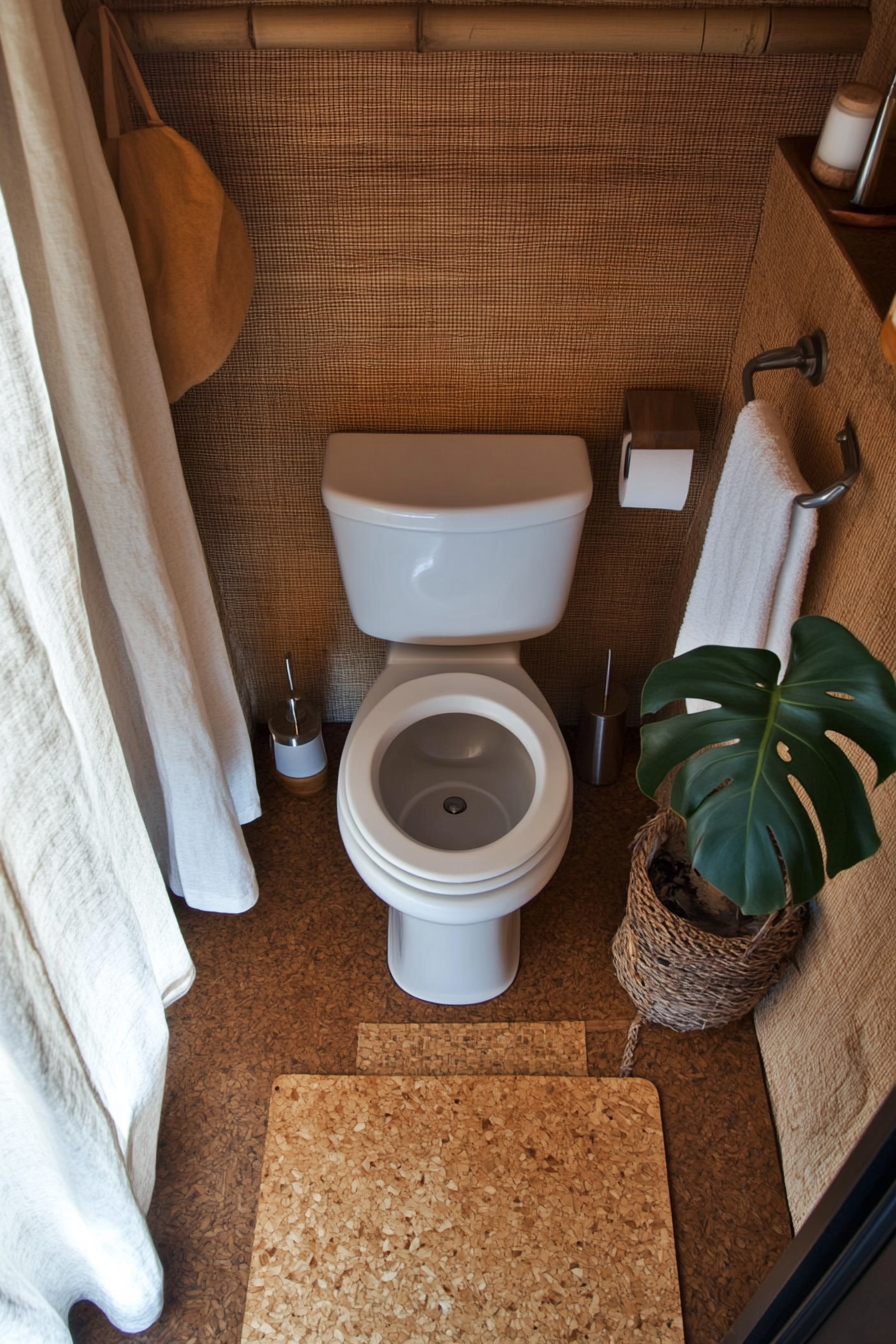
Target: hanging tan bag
(193, 255)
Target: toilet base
(453, 963)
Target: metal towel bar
(810, 357)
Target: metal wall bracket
(809, 356)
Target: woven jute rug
(412, 1209)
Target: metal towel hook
(810, 357)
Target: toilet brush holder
(297, 745)
(300, 758)
(600, 743)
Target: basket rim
(648, 841)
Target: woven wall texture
(828, 1030)
(467, 242)
(877, 62)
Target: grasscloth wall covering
(467, 242)
(828, 1030)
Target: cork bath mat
(481, 1047)
(412, 1209)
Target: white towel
(791, 580)
(749, 583)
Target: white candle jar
(845, 135)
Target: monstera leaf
(744, 816)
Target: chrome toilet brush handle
(868, 188)
(291, 701)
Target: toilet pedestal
(453, 963)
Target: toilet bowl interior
(456, 781)
(419, 700)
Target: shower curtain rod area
(731, 30)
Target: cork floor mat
(473, 1208)
(480, 1047)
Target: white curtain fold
(152, 613)
(90, 950)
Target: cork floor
(283, 989)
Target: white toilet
(455, 788)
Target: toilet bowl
(455, 789)
(454, 804)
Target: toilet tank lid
(456, 482)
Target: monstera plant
(745, 764)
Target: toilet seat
(454, 890)
(456, 872)
(458, 906)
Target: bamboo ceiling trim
(614, 29)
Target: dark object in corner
(836, 1282)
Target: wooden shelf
(870, 252)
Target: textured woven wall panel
(828, 1030)
(467, 242)
(877, 62)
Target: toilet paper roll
(654, 478)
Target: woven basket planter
(679, 976)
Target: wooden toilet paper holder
(660, 418)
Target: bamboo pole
(560, 28)
(737, 32)
(224, 28)
(729, 30)
(827, 30)
(345, 27)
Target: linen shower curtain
(90, 950)
(116, 700)
(152, 614)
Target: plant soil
(684, 893)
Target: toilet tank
(456, 538)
